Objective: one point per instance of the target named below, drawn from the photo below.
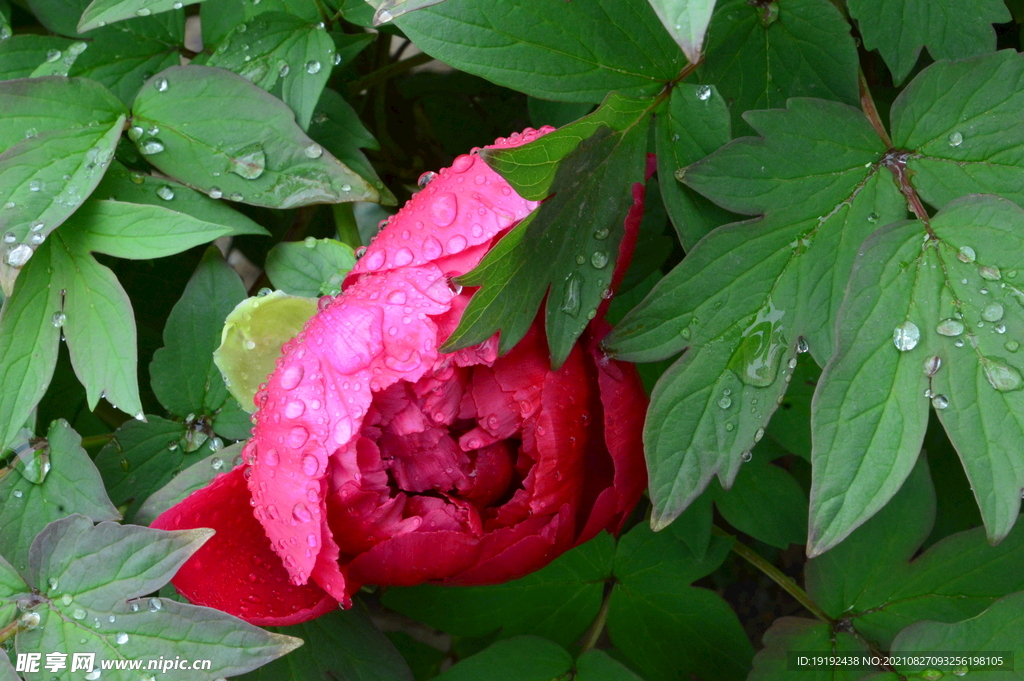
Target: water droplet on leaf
(906, 335)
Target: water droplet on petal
(294, 409)
(310, 465)
(456, 244)
(425, 179)
(301, 513)
(444, 209)
(906, 335)
(297, 437)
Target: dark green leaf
(695, 124)
(949, 29)
(196, 476)
(241, 142)
(790, 426)
(871, 408)
(558, 602)
(806, 636)
(11, 584)
(959, 121)
(573, 52)
(556, 114)
(387, 10)
(124, 55)
(687, 22)
(341, 645)
(283, 54)
(185, 379)
(28, 343)
(72, 485)
(597, 665)
(310, 268)
(667, 628)
(89, 575)
(524, 658)
(569, 244)
(21, 54)
(743, 298)
(766, 503)
(759, 55)
(57, 63)
(219, 17)
(33, 107)
(99, 13)
(231, 421)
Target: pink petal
(236, 571)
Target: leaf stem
(388, 72)
(9, 631)
(594, 633)
(776, 575)
(96, 440)
(867, 104)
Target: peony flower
(377, 459)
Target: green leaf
(141, 459)
(252, 337)
(102, 12)
(310, 268)
(387, 10)
(871, 408)
(339, 645)
(523, 658)
(558, 602)
(283, 54)
(21, 54)
(874, 580)
(807, 636)
(695, 124)
(219, 17)
(569, 244)
(337, 126)
(531, 169)
(58, 63)
(241, 142)
(766, 503)
(687, 22)
(32, 176)
(667, 628)
(120, 184)
(122, 56)
(555, 114)
(11, 584)
(947, 28)
(231, 421)
(597, 665)
(28, 343)
(995, 630)
(73, 485)
(744, 297)
(959, 121)
(34, 107)
(196, 476)
(790, 426)
(89, 574)
(761, 55)
(185, 378)
(577, 54)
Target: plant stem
(594, 634)
(96, 440)
(776, 575)
(9, 631)
(867, 104)
(387, 72)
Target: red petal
(236, 571)
(415, 558)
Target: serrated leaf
(667, 628)
(799, 634)
(197, 475)
(252, 338)
(577, 54)
(569, 245)
(21, 54)
(120, 184)
(28, 343)
(283, 54)
(184, 376)
(597, 665)
(871, 409)
(73, 485)
(142, 458)
(32, 177)
(240, 141)
(99, 13)
(695, 123)
(687, 22)
(947, 28)
(531, 168)
(523, 658)
(894, 584)
(339, 645)
(89, 575)
(558, 602)
(959, 122)
(744, 296)
(310, 268)
(760, 55)
(337, 126)
(766, 503)
(995, 630)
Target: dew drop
(384, 16)
(78, 614)
(940, 401)
(271, 458)
(294, 409)
(52, 56)
(313, 150)
(599, 259)
(18, 256)
(932, 365)
(704, 93)
(215, 193)
(1002, 377)
(725, 402)
(36, 185)
(121, 638)
(249, 162)
(312, 67)
(444, 209)
(1012, 346)
(992, 313)
(906, 335)
(165, 193)
(456, 244)
(759, 434)
(58, 319)
(235, 196)
(746, 456)
(310, 465)
(955, 139)
(950, 327)
(301, 513)
(601, 234)
(571, 298)
(151, 147)
(297, 437)
(425, 179)
(991, 273)
(160, 84)
(966, 254)
(10, 238)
